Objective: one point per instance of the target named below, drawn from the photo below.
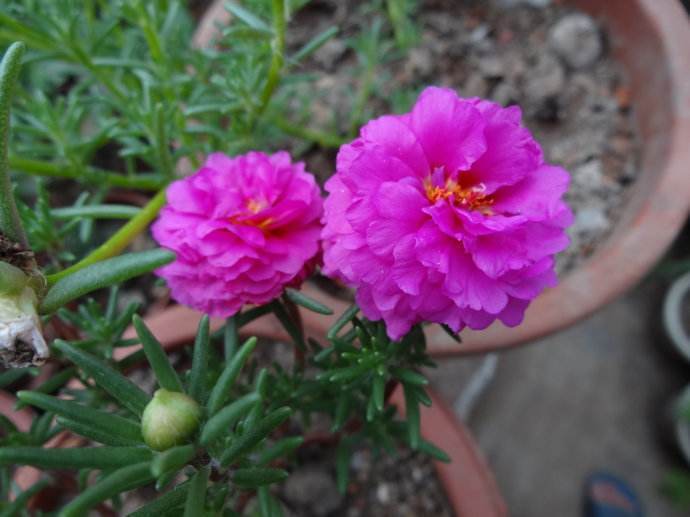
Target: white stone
(577, 40)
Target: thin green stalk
(165, 160)
(10, 224)
(13, 29)
(362, 97)
(151, 34)
(196, 496)
(120, 240)
(230, 337)
(144, 181)
(122, 480)
(84, 59)
(277, 56)
(21, 501)
(96, 212)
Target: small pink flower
(242, 228)
(445, 214)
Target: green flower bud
(169, 419)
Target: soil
(404, 485)
(548, 59)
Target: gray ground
(590, 397)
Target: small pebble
(590, 219)
(590, 176)
(383, 493)
(475, 86)
(545, 80)
(313, 487)
(492, 67)
(479, 34)
(420, 63)
(329, 54)
(577, 40)
(505, 94)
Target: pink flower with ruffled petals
(445, 214)
(243, 228)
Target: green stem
(80, 56)
(10, 223)
(165, 160)
(277, 55)
(12, 29)
(96, 212)
(362, 97)
(120, 240)
(143, 181)
(151, 35)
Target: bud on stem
(21, 339)
(170, 419)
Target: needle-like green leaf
(254, 477)
(221, 390)
(103, 274)
(165, 503)
(412, 415)
(433, 451)
(226, 417)
(279, 449)
(97, 434)
(197, 377)
(158, 359)
(99, 421)
(172, 460)
(196, 495)
(77, 458)
(22, 500)
(119, 387)
(52, 384)
(302, 299)
(343, 320)
(252, 437)
(10, 223)
(122, 480)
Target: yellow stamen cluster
(254, 207)
(472, 198)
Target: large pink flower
(446, 214)
(243, 228)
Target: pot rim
(681, 427)
(672, 315)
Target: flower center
(252, 219)
(255, 206)
(471, 198)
